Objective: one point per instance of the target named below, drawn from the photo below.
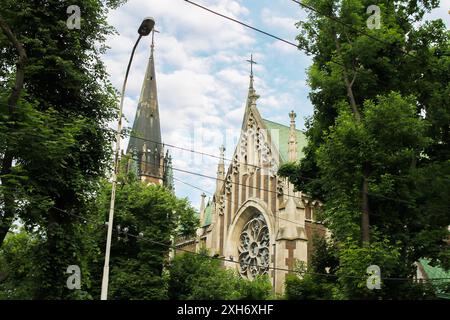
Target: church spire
(146, 135)
(252, 96)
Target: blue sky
(202, 73)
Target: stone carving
(235, 165)
(228, 184)
(259, 139)
(280, 187)
(221, 204)
(253, 248)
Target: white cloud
(202, 77)
(286, 24)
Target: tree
(17, 269)
(146, 218)
(54, 146)
(198, 276)
(318, 280)
(377, 154)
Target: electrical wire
(271, 191)
(174, 247)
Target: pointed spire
(292, 137)
(146, 124)
(252, 96)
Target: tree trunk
(8, 214)
(365, 217)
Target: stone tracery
(254, 248)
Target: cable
(293, 44)
(267, 190)
(242, 23)
(270, 214)
(251, 27)
(143, 237)
(188, 150)
(255, 166)
(334, 18)
(192, 186)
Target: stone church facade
(255, 220)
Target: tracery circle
(254, 248)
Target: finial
(203, 195)
(252, 62)
(292, 115)
(153, 40)
(222, 151)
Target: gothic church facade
(255, 220)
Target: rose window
(254, 248)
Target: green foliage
(16, 268)
(307, 288)
(257, 289)
(201, 277)
(318, 281)
(400, 86)
(56, 136)
(137, 263)
(195, 276)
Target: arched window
(253, 248)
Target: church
(145, 148)
(255, 222)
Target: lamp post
(144, 30)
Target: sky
(202, 74)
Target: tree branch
(8, 214)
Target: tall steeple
(252, 96)
(145, 143)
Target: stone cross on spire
(252, 96)
(252, 62)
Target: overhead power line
(255, 166)
(242, 23)
(143, 237)
(284, 194)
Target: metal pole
(105, 280)
(274, 266)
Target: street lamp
(144, 30)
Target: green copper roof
(436, 273)
(283, 138)
(207, 215)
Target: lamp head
(146, 26)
